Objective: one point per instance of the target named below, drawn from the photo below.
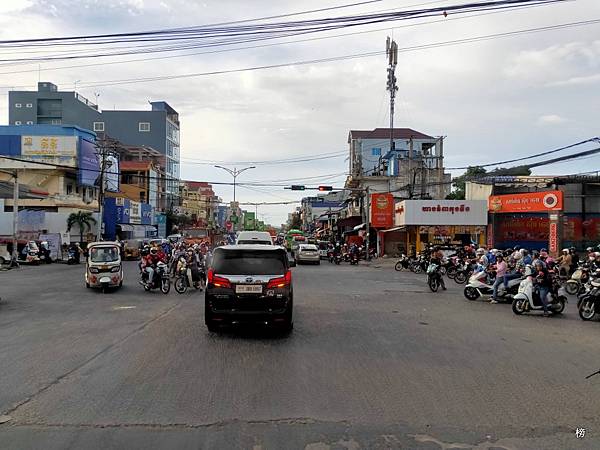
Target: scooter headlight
(94, 270)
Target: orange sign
(553, 238)
(382, 210)
(530, 202)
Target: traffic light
(298, 187)
(325, 188)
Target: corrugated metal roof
(384, 133)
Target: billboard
(441, 212)
(529, 202)
(89, 167)
(50, 149)
(382, 210)
(111, 173)
(249, 221)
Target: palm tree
(81, 219)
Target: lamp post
(234, 173)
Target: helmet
(527, 272)
(589, 249)
(153, 251)
(480, 251)
(516, 247)
(565, 250)
(539, 263)
(535, 254)
(494, 251)
(524, 252)
(597, 254)
(544, 250)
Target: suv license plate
(248, 289)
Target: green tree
(83, 220)
(459, 182)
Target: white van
(254, 237)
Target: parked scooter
(403, 263)
(528, 297)
(434, 276)
(479, 285)
(577, 280)
(589, 301)
(161, 279)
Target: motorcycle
(419, 265)
(577, 280)
(433, 277)
(589, 301)
(72, 256)
(479, 286)
(528, 297)
(337, 259)
(354, 259)
(161, 279)
(184, 278)
(463, 273)
(402, 264)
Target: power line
(332, 59)
(251, 47)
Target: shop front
(125, 219)
(437, 222)
(531, 220)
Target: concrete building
(413, 168)
(158, 128)
(315, 210)
(199, 202)
(61, 164)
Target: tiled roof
(135, 165)
(384, 133)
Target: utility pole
(15, 253)
(367, 222)
(391, 50)
(105, 149)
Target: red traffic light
(325, 188)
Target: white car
(308, 253)
(254, 237)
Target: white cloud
(551, 119)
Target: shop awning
(400, 228)
(125, 227)
(359, 227)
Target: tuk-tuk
(103, 268)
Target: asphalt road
(374, 361)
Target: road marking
(118, 308)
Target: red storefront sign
(553, 238)
(530, 202)
(382, 210)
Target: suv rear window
(249, 241)
(249, 262)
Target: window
(56, 121)
(375, 151)
(69, 189)
(98, 126)
(30, 122)
(17, 122)
(29, 105)
(144, 126)
(18, 105)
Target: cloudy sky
(493, 99)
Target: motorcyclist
(543, 280)
(76, 249)
(193, 263)
(501, 268)
(565, 261)
(482, 259)
(354, 250)
(436, 258)
(150, 262)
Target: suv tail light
(217, 281)
(284, 281)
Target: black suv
(249, 284)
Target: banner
(382, 210)
(529, 202)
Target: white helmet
(480, 251)
(528, 271)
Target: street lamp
(234, 173)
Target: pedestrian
(501, 268)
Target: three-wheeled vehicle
(103, 268)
